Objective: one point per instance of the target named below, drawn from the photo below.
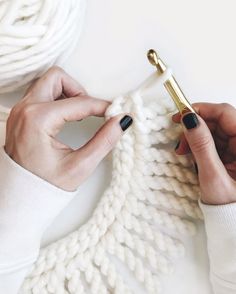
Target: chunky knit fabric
(150, 202)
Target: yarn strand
(150, 203)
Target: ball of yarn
(34, 35)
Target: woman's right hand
(211, 137)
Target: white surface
(197, 39)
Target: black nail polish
(125, 122)
(196, 167)
(177, 145)
(190, 120)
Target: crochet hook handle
(170, 84)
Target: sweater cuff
(220, 217)
(28, 205)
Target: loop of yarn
(34, 35)
(139, 221)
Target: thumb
(102, 143)
(202, 146)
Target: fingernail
(177, 145)
(125, 122)
(196, 167)
(190, 120)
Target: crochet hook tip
(155, 60)
(170, 84)
(152, 57)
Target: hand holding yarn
(34, 122)
(151, 190)
(211, 136)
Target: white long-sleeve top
(28, 204)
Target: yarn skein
(138, 223)
(34, 35)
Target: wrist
(220, 190)
(217, 200)
(28, 206)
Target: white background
(197, 38)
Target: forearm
(28, 204)
(220, 223)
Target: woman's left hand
(34, 122)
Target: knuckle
(13, 111)
(201, 144)
(109, 141)
(12, 119)
(28, 111)
(55, 70)
(92, 107)
(196, 106)
(18, 110)
(24, 116)
(29, 115)
(226, 106)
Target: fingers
(213, 111)
(91, 154)
(176, 117)
(72, 109)
(215, 183)
(231, 168)
(220, 119)
(223, 114)
(52, 85)
(54, 112)
(202, 146)
(182, 146)
(199, 138)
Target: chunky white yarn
(150, 202)
(34, 35)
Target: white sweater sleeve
(220, 223)
(28, 204)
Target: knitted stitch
(137, 224)
(34, 35)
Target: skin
(56, 98)
(213, 145)
(34, 122)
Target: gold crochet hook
(170, 84)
